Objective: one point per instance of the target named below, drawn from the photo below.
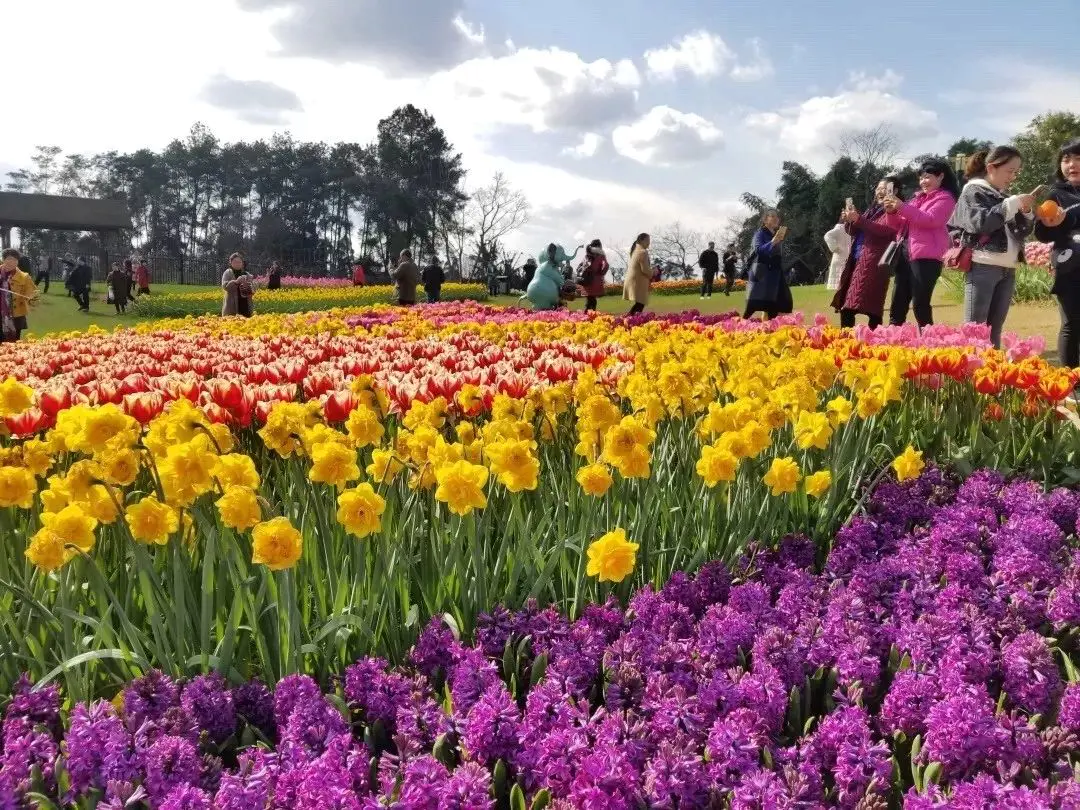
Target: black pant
(751, 311)
(590, 303)
(42, 276)
(636, 309)
(433, 294)
(707, 282)
(82, 297)
(914, 288)
(1067, 291)
(847, 318)
(729, 280)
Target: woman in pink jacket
(927, 241)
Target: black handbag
(891, 257)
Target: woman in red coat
(593, 274)
(864, 285)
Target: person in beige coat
(638, 275)
(406, 278)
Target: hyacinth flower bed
(285, 494)
(927, 660)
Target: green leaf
(932, 775)
(89, 657)
(499, 780)
(541, 800)
(517, 798)
(539, 669)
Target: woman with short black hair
(1059, 224)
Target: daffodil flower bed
(929, 660)
(292, 299)
(287, 493)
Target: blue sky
(615, 117)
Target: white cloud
(812, 130)
(665, 137)
(888, 81)
(759, 67)
(589, 146)
(700, 54)
(1010, 91)
(549, 89)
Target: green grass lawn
(1024, 319)
(56, 312)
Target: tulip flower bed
(291, 300)
(690, 286)
(307, 281)
(927, 660)
(284, 494)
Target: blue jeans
(988, 293)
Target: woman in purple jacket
(926, 215)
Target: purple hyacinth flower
(146, 699)
(208, 700)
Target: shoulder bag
(891, 257)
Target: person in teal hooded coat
(547, 282)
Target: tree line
(313, 204)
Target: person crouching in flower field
(17, 290)
(238, 287)
(546, 288)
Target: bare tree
(679, 246)
(877, 146)
(495, 211)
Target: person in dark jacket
(731, 263)
(767, 290)
(1059, 225)
(864, 284)
(81, 278)
(273, 276)
(119, 281)
(433, 278)
(994, 224)
(44, 272)
(594, 274)
(406, 278)
(709, 262)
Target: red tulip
(338, 406)
(29, 422)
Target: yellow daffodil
(813, 429)
(239, 508)
(612, 557)
(15, 397)
(716, 465)
(151, 521)
(276, 544)
(360, 510)
(461, 487)
(18, 487)
(333, 463)
(818, 484)
(783, 476)
(909, 464)
(236, 470)
(595, 479)
(514, 464)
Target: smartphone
(782, 231)
(850, 203)
(1039, 191)
(890, 189)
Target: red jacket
(142, 276)
(864, 285)
(358, 278)
(593, 275)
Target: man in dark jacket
(709, 262)
(731, 262)
(406, 277)
(433, 280)
(81, 277)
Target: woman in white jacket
(838, 240)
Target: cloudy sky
(614, 115)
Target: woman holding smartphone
(994, 225)
(767, 289)
(926, 214)
(864, 283)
